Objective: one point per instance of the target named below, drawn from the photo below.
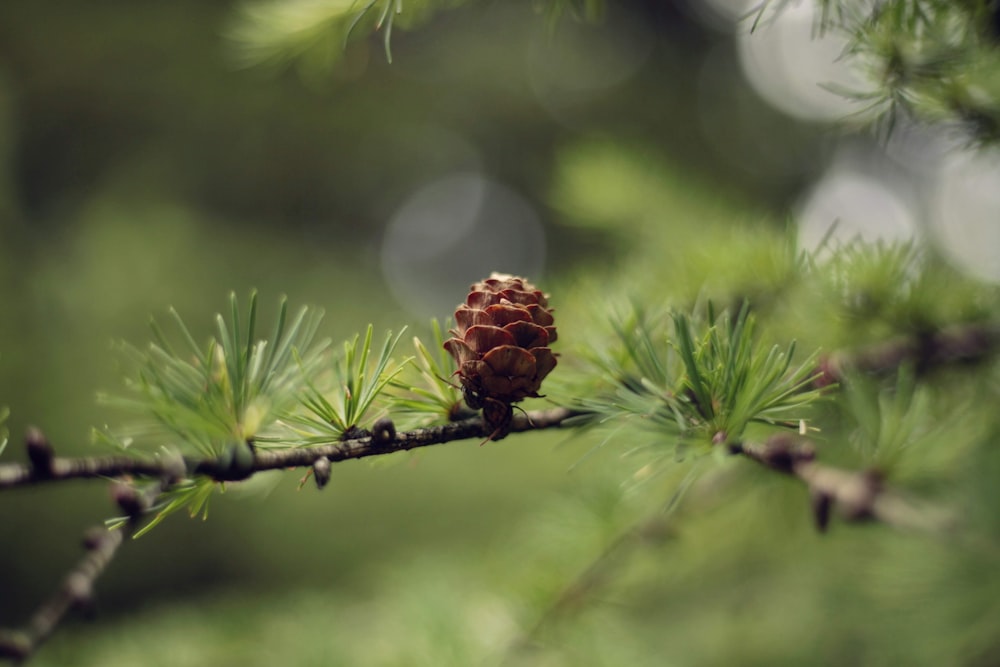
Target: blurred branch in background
(859, 496)
(77, 590)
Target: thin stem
(964, 343)
(61, 469)
(76, 591)
(860, 495)
(655, 527)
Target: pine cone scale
(482, 338)
(545, 361)
(503, 314)
(528, 335)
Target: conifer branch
(963, 343)
(76, 592)
(859, 495)
(102, 544)
(363, 444)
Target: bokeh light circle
(793, 67)
(847, 206)
(965, 211)
(454, 231)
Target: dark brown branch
(76, 591)
(102, 544)
(63, 469)
(963, 343)
(385, 441)
(858, 495)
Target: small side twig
(655, 528)
(859, 495)
(963, 343)
(77, 589)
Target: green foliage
(887, 420)
(357, 380)
(192, 495)
(898, 426)
(217, 398)
(866, 292)
(426, 391)
(389, 10)
(231, 389)
(740, 585)
(862, 282)
(932, 60)
(314, 34)
(278, 32)
(706, 383)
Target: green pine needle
(205, 398)
(358, 379)
(232, 388)
(707, 382)
(426, 392)
(190, 494)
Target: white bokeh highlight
(964, 211)
(792, 66)
(847, 206)
(455, 231)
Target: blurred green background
(141, 168)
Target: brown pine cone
(501, 343)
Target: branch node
(93, 537)
(40, 452)
(128, 499)
(235, 463)
(822, 503)
(383, 433)
(15, 645)
(321, 471)
(354, 432)
(174, 467)
(858, 502)
(828, 371)
(783, 450)
(79, 588)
